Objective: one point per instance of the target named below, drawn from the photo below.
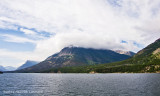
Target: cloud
(100, 24)
(5, 23)
(16, 39)
(28, 32)
(9, 61)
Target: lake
(48, 84)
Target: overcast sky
(36, 29)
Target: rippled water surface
(42, 84)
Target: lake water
(47, 84)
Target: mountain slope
(146, 60)
(27, 64)
(149, 50)
(76, 56)
(148, 55)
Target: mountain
(2, 68)
(27, 64)
(129, 53)
(146, 60)
(76, 56)
(8, 68)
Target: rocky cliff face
(129, 53)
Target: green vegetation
(111, 68)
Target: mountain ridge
(76, 56)
(27, 64)
(7, 68)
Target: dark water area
(47, 84)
